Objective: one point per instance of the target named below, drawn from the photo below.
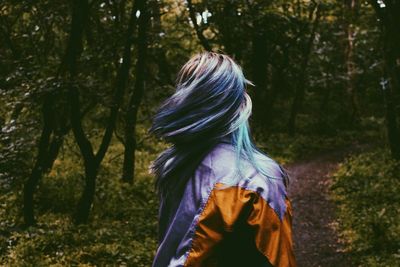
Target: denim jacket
(222, 220)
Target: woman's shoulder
(222, 160)
(268, 185)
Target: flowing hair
(210, 104)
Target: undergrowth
(366, 190)
(122, 230)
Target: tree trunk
(54, 149)
(52, 135)
(87, 197)
(352, 101)
(301, 84)
(391, 123)
(135, 100)
(37, 171)
(323, 124)
(227, 34)
(389, 19)
(279, 83)
(93, 161)
(259, 64)
(392, 93)
(80, 13)
(158, 55)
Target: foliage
(123, 226)
(267, 38)
(366, 189)
(285, 148)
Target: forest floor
(316, 242)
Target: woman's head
(210, 104)
(210, 101)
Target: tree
(387, 11)
(54, 128)
(302, 78)
(92, 160)
(351, 13)
(199, 33)
(135, 97)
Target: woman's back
(223, 220)
(223, 201)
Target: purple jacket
(226, 221)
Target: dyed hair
(210, 105)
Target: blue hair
(210, 104)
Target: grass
(366, 190)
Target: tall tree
(55, 127)
(92, 160)
(351, 12)
(302, 78)
(259, 57)
(135, 96)
(388, 13)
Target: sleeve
(224, 207)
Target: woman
(222, 201)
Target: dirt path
(316, 243)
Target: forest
(81, 80)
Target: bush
(123, 223)
(286, 148)
(122, 232)
(366, 189)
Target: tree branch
(192, 16)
